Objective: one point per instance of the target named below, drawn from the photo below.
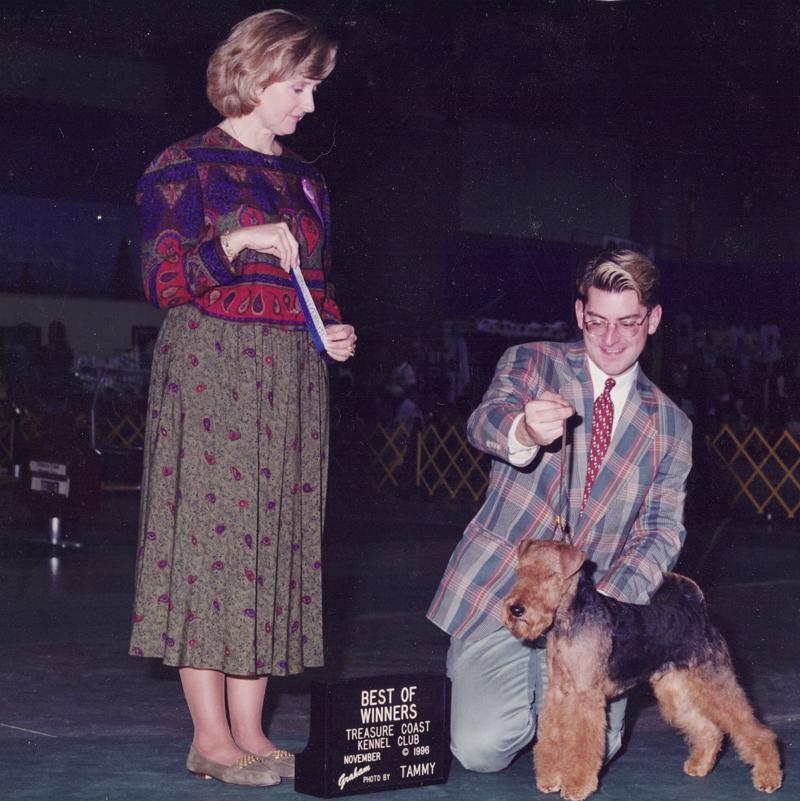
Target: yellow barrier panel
(359, 455)
(764, 472)
(374, 456)
(388, 450)
(385, 457)
(449, 461)
(28, 425)
(127, 431)
(442, 461)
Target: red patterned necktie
(602, 419)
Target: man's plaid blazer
(632, 525)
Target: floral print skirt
(228, 573)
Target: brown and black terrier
(598, 647)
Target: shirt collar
(624, 381)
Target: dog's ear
(523, 546)
(571, 560)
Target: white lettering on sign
(373, 743)
(370, 731)
(373, 756)
(422, 769)
(348, 777)
(381, 710)
(378, 714)
(377, 697)
(377, 706)
(407, 693)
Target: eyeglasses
(625, 328)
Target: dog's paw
(767, 779)
(548, 787)
(578, 791)
(699, 766)
(547, 767)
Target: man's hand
(544, 418)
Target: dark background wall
(669, 124)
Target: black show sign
(376, 733)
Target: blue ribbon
(309, 312)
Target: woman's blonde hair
(268, 47)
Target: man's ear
(654, 319)
(579, 313)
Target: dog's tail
(677, 590)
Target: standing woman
(228, 582)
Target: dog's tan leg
(549, 749)
(720, 696)
(678, 707)
(584, 743)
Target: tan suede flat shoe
(249, 771)
(280, 761)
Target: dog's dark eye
(516, 610)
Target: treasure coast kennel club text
(390, 721)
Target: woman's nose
(308, 101)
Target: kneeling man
(621, 497)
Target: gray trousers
(497, 695)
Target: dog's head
(544, 572)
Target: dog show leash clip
(313, 321)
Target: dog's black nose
(517, 610)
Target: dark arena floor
(79, 719)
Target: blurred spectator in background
(56, 364)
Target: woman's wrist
(231, 244)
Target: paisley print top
(208, 185)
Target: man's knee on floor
(482, 751)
